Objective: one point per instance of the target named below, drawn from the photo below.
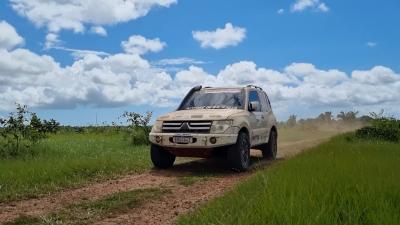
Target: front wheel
(269, 150)
(239, 153)
(160, 157)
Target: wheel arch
(245, 130)
(273, 128)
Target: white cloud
(9, 38)
(371, 44)
(323, 7)
(80, 53)
(74, 15)
(98, 30)
(137, 44)
(52, 41)
(317, 5)
(178, 61)
(127, 78)
(303, 87)
(221, 37)
(281, 11)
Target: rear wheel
(239, 153)
(160, 157)
(269, 150)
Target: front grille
(186, 126)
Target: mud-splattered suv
(214, 121)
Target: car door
(255, 118)
(267, 116)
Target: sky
(86, 62)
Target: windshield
(207, 99)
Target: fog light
(158, 139)
(213, 140)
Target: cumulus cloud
(317, 5)
(127, 78)
(98, 30)
(221, 37)
(137, 44)
(73, 15)
(9, 38)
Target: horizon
(77, 65)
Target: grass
(89, 211)
(70, 160)
(338, 182)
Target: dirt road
(165, 210)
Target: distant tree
(325, 117)
(378, 115)
(292, 121)
(21, 130)
(347, 116)
(137, 120)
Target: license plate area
(182, 139)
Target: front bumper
(202, 140)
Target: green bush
(21, 130)
(386, 129)
(140, 136)
(138, 128)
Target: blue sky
(344, 37)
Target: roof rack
(254, 86)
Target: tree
(21, 130)
(140, 126)
(291, 122)
(347, 116)
(325, 117)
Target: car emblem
(185, 126)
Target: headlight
(157, 127)
(220, 126)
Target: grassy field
(73, 159)
(67, 160)
(338, 182)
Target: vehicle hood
(200, 114)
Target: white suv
(216, 121)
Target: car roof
(250, 87)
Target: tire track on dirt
(165, 210)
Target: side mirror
(254, 106)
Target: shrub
(387, 129)
(138, 126)
(21, 130)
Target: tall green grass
(68, 160)
(339, 182)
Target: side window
(269, 108)
(266, 107)
(253, 97)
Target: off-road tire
(270, 150)
(239, 153)
(160, 157)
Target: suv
(216, 121)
